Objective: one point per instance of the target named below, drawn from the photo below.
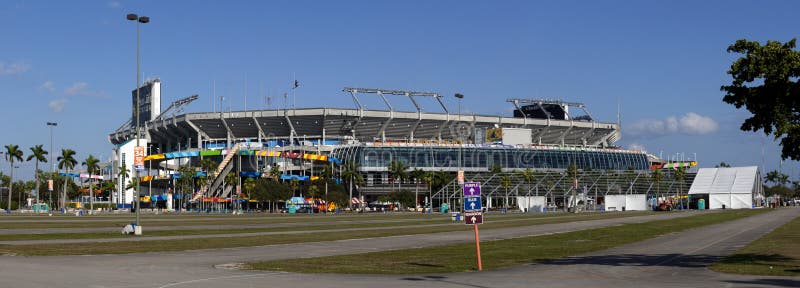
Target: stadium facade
(542, 135)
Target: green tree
(12, 154)
(108, 187)
(92, 167)
(402, 196)
(209, 166)
(766, 83)
(353, 177)
(777, 178)
(417, 175)
(275, 172)
(123, 173)
(67, 162)
(294, 184)
(572, 173)
(680, 175)
(505, 182)
(399, 171)
(249, 185)
(495, 169)
(313, 191)
(232, 180)
(528, 176)
(722, 165)
(185, 182)
(40, 155)
(656, 176)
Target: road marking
(218, 278)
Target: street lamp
(52, 166)
(460, 146)
(142, 20)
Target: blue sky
(664, 61)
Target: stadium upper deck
(192, 130)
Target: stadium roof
(361, 125)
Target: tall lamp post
(460, 146)
(142, 20)
(52, 166)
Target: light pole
(142, 20)
(52, 166)
(460, 146)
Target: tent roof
(734, 180)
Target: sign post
(473, 214)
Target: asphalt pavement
(673, 260)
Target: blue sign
(472, 204)
(472, 189)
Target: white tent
(629, 202)
(733, 187)
(533, 204)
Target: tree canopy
(765, 82)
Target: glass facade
(482, 158)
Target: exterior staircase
(223, 169)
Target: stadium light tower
(142, 20)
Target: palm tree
(429, 178)
(232, 180)
(66, 161)
(417, 175)
(528, 176)
(325, 176)
(38, 154)
(12, 154)
(275, 172)
(505, 181)
(352, 176)
(398, 170)
(249, 185)
(185, 182)
(656, 176)
(294, 184)
(572, 172)
(124, 173)
(209, 166)
(108, 187)
(680, 175)
(92, 167)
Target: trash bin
(723, 206)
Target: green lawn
(228, 241)
(776, 254)
(496, 254)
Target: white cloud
(636, 147)
(696, 124)
(114, 4)
(57, 105)
(76, 88)
(690, 124)
(82, 89)
(48, 86)
(14, 68)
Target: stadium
(543, 137)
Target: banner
(138, 157)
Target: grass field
(220, 239)
(496, 254)
(776, 254)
